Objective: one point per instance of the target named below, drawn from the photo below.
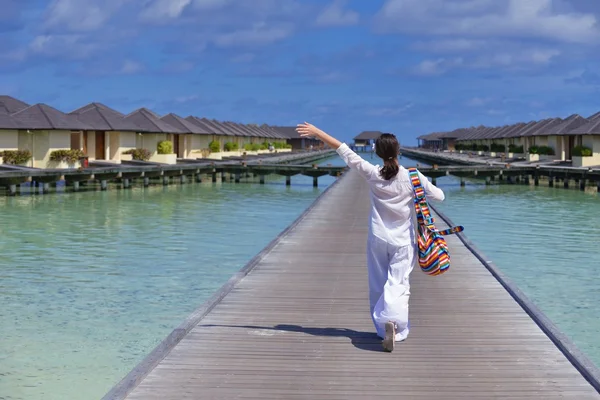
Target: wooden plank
(298, 327)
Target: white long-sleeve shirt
(392, 207)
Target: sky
(409, 67)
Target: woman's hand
(308, 130)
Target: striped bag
(434, 258)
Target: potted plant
(583, 157)
(164, 153)
(15, 157)
(65, 159)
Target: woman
(391, 244)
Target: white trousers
(389, 268)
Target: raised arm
(352, 160)
(431, 191)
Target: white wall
(9, 140)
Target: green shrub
(459, 147)
(16, 157)
(534, 150)
(165, 147)
(264, 146)
(546, 151)
(139, 154)
(582, 151)
(474, 147)
(498, 148)
(483, 147)
(255, 147)
(68, 156)
(248, 147)
(230, 146)
(513, 148)
(214, 146)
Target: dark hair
(388, 148)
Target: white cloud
(449, 45)
(486, 18)
(130, 67)
(259, 34)
(163, 10)
(478, 101)
(80, 15)
(437, 67)
(336, 15)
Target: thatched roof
(572, 122)
(102, 118)
(590, 128)
(182, 124)
(150, 122)
(42, 116)
(10, 105)
(368, 135)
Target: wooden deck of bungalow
(294, 324)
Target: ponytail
(388, 148)
(390, 169)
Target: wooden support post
(76, 186)
(550, 181)
(146, 181)
(262, 179)
(462, 181)
(182, 179)
(214, 177)
(223, 177)
(103, 184)
(237, 178)
(45, 187)
(316, 181)
(488, 180)
(434, 181)
(536, 180)
(126, 183)
(165, 180)
(199, 178)
(566, 185)
(288, 180)
(527, 179)
(12, 190)
(598, 186)
(582, 185)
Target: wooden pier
(186, 170)
(294, 324)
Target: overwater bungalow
(560, 141)
(9, 132)
(112, 135)
(366, 139)
(152, 131)
(194, 143)
(46, 133)
(292, 137)
(584, 144)
(430, 141)
(217, 140)
(537, 135)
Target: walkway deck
(297, 327)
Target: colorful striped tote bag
(434, 257)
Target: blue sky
(403, 66)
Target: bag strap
(422, 208)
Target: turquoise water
(91, 282)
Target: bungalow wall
(9, 140)
(149, 141)
(593, 142)
(42, 143)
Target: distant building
(364, 140)
(294, 139)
